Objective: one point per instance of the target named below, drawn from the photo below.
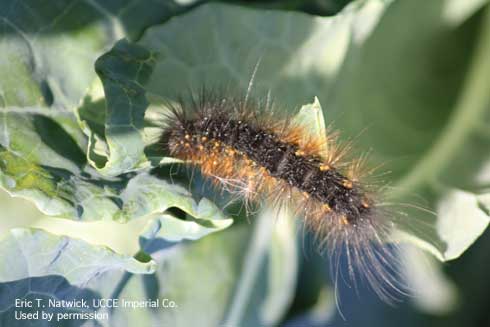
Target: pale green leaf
(176, 230)
(250, 276)
(29, 253)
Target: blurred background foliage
(314, 7)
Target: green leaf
(60, 187)
(311, 116)
(176, 230)
(451, 235)
(421, 270)
(130, 237)
(456, 12)
(22, 258)
(34, 164)
(38, 265)
(314, 7)
(261, 300)
(46, 72)
(146, 194)
(288, 47)
(16, 212)
(323, 312)
(249, 274)
(455, 161)
(48, 48)
(126, 105)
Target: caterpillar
(258, 155)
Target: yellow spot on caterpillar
(326, 207)
(215, 163)
(187, 136)
(325, 167)
(364, 204)
(187, 145)
(200, 147)
(216, 144)
(306, 195)
(347, 184)
(343, 220)
(182, 142)
(300, 153)
(204, 139)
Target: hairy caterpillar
(256, 155)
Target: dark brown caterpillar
(255, 154)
